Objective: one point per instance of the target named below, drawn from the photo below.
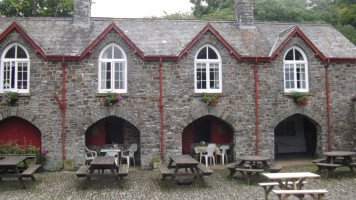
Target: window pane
(21, 53)
(202, 54)
(214, 76)
(105, 75)
(119, 76)
(289, 55)
(118, 54)
(201, 76)
(212, 54)
(10, 53)
(107, 53)
(298, 55)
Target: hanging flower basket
(10, 98)
(300, 99)
(111, 98)
(211, 99)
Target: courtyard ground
(147, 184)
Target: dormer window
(15, 69)
(113, 69)
(295, 71)
(207, 70)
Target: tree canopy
(36, 8)
(340, 13)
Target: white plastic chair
(113, 154)
(209, 154)
(223, 153)
(89, 155)
(131, 154)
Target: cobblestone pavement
(147, 184)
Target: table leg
(116, 177)
(20, 178)
(200, 175)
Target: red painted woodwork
(95, 135)
(220, 131)
(186, 139)
(17, 129)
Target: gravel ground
(147, 184)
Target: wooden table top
(339, 153)
(184, 159)
(12, 160)
(254, 158)
(291, 175)
(103, 161)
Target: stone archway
(23, 114)
(104, 112)
(309, 127)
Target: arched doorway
(112, 130)
(15, 129)
(209, 129)
(295, 136)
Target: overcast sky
(138, 8)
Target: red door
(220, 132)
(187, 138)
(17, 129)
(95, 135)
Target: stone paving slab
(147, 184)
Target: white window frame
(295, 63)
(207, 62)
(16, 61)
(124, 61)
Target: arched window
(207, 70)
(113, 69)
(295, 71)
(15, 69)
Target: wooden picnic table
(250, 166)
(254, 161)
(186, 162)
(101, 164)
(291, 184)
(335, 159)
(9, 169)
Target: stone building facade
(252, 57)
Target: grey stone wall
(40, 106)
(139, 107)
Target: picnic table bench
(186, 162)
(9, 169)
(291, 184)
(164, 171)
(333, 160)
(249, 166)
(102, 164)
(315, 194)
(268, 187)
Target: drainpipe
(328, 101)
(161, 105)
(62, 105)
(256, 102)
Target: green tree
(36, 8)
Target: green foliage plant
(68, 161)
(300, 98)
(111, 98)
(156, 159)
(211, 99)
(10, 97)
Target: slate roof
(163, 37)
